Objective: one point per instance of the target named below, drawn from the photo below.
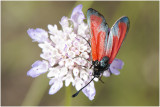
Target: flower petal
(68, 79)
(52, 29)
(84, 75)
(64, 21)
(47, 47)
(106, 73)
(84, 55)
(75, 71)
(90, 91)
(65, 25)
(53, 72)
(116, 64)
(79, 83)
(38, 68)
(82, 28)
(77, 15)
(71, 54)
(38, 35)
(63, 71)
(56, 85)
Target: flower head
(66, 55)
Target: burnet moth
(105, 42)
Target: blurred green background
(138, 83)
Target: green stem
(36, 91)
(68, 96)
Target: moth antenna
(74, 95)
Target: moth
(105, 42)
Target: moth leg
(100, 78)
(91, 66)
(85, 40)
(110, 71)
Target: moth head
(96, 63)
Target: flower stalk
(68, 98)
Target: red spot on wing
(101, 45)
(96, 38)
(114, 49)
(95, 25)
(93, 48)
(122, 32)
(117, 40)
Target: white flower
(65, 53)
